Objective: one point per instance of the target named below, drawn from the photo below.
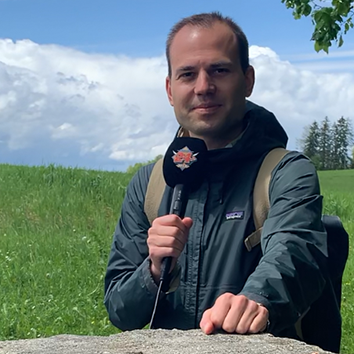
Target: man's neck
(213, 144)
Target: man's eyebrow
(220, 64)
(215, 65)
(185, 68)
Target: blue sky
(139, 28)
(77, 87)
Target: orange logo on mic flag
(184, 158)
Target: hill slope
(56, 227)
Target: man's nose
(204, 84)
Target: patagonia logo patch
(235, 215)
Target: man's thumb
(205, 324)
(188, 222)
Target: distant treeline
(328, 145)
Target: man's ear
(250, 79)
(168, 90)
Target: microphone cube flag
(184, 162)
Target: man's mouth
(207, 107)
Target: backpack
(318, 327)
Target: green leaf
(307, 10)
(343, 8)
(318, 47)
(296, 15)
(346, 27)
(331, 19)
(336, 28)
(317, 15)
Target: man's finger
(259, 323)
(247, 318)
(172, 220)
(220, 310)
(205, 324)
(166, 238)
(235, 314)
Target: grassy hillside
(338, 190)
(56, 227)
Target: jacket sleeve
(129, 288)
(292, 271)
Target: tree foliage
(331, 20)
(325, 143)
(328, 146)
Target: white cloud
(334, 53)
(64, 106)
(328, 66)
(112, 106)
(299, 96)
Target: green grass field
(338, 190)
(56, 227)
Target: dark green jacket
(286, 272)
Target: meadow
(56, 227)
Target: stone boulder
(159, 342)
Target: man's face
(207, 86)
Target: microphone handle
(177, 209)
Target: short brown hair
(206, 20)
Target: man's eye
(186, 75)
(221, 70)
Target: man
(221, 285)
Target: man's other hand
(166, 238)
(235, 314)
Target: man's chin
(203, 132)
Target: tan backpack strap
(253, 240)
(261, 195)
(154, 191)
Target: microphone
(183, 169)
